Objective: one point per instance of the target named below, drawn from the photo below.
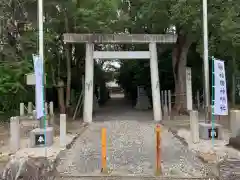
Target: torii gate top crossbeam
(120, 38)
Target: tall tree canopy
(64, 63)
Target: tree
(60, 59)
(186, 17)
(14, 62)
(64, 63)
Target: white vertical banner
(38, 69)
(220, 89)
(189, 88)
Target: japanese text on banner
(220, 90)
(38, 68)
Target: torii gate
(91, 39)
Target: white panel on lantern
(141, 91)
(31, 80)
(121, 55)
(189, 88)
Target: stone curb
(4, 157)
(130, 177)
(198, 155)
(70, 144)
(83, 127)
(175, 134)
(54, 163)
(184, 142)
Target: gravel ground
(130, 148)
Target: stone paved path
(130, 147)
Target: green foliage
(111, 16)
(15, 62)
(60, 17)
(157, 17)
(12, 85)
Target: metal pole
(104, 151)
(41, 51)
(158, 151)
(233, 81)
(206, 62)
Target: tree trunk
(61, 103)
(234, 68)
(68, 57)
(179, 62)
(69, 79)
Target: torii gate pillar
(157, 110)
(88, 92)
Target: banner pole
(213, 99)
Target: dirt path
(130, 146)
